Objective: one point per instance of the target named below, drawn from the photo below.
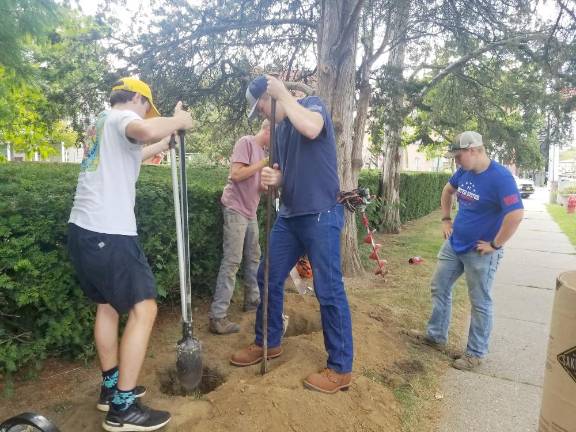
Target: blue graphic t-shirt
(309, 170)
(483, 201)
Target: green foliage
(22, 21)
(68, 73)
(73, 70)
(419, 194)
(43, 311)
(507, 101)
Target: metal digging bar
(269, 201)
(189, 349)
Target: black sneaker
(106, 396)
(136, 418)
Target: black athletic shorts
(111, 268)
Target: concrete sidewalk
(503, 394)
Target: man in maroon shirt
(239, 203)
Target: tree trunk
(391, 183)
(337, 39)
(397, 109)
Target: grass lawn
(407, 293)
(567, 222)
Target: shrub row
(42, 310)
(419, 193)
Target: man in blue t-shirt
(309, 222)
(489, 212)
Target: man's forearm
(241, 173)
(153, 149)
(509, 226)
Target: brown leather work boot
(253, 354)
(328, 381)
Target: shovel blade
(189, 363)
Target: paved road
(504, 393)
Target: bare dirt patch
(393, 380)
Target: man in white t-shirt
(104, 248)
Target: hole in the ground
(170, 385)
(300, 323)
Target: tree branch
(465, 59)
(200, 32)
(565, 8)
(350, 27)
(304, 88)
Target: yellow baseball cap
(135, 85)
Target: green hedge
(419, 193)
(42, 310)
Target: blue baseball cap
(254, 92)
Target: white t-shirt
(106, 191)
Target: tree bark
(397, 109)
(337, 40)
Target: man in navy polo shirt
(489, 212)
(309, 222)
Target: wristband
(446, 218)
(493, 245)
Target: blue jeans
(318, 236)
(479, 271)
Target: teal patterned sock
(123, 400)
(110, 378)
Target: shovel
(188, 349)
(270, 198)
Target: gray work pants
(240, 244)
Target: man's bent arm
(240, 172)
(509, 226)
(308, 123)
(154, 129)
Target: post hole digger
(189, 349)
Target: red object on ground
(571, 205)
(415, 260)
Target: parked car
(525, 186)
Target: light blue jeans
(479, 271)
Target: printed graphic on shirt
(467, 194)
(92, 145)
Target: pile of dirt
(240, 399)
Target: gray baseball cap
(466, 140)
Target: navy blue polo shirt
(309, 168)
